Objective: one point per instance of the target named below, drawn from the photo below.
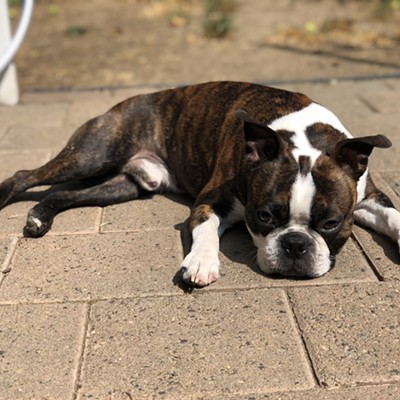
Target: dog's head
(299, 207)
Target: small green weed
(218, 21)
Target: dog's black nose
(295, 244)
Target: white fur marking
(37, 222)
(303, 191)
(202, 263)
(299, 121)
(270, 257)
(361, 186)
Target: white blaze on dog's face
(302, 190)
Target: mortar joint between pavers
(81, 351)
(371, 107)
(302, 338)
(370, 262)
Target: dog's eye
(265, 217)
(331, 225)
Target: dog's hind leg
(118, 189)
(91, 151)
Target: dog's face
(299, 221)
(299, 207)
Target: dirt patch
(96, 43)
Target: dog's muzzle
(293, 252)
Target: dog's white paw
(200, 268)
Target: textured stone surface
(34, 114)
(35, 137)
(194, 346)
(386, 392)
(40, 348)
(146, 214)
(16, 160)
(86, 107)
(393, 179)
(382, 252)
(79, 267)
(352, 332)
(93, 308)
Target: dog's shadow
(385, 245)
(236, 245)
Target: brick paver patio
(92, 310)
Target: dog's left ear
(262, 142)
(354, 152)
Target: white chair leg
(9, 91)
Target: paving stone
(382, 252)
(79, 220)
(385, 98)
(84, 108)
(10, 162)
(344, 100)
(156, 212)
(142, 345)
(35, 137)
(352, 332)
(77, 267)
(51, 114)
(3, 130)
(62, 96)
(386, 182)
(384, 392)
(393, 179)
(125, 93)
(186, 347)
(40, 346)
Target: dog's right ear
(262, 142)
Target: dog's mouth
(295, 270)
(290, 274)
(291, 269)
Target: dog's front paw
(200, 268)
